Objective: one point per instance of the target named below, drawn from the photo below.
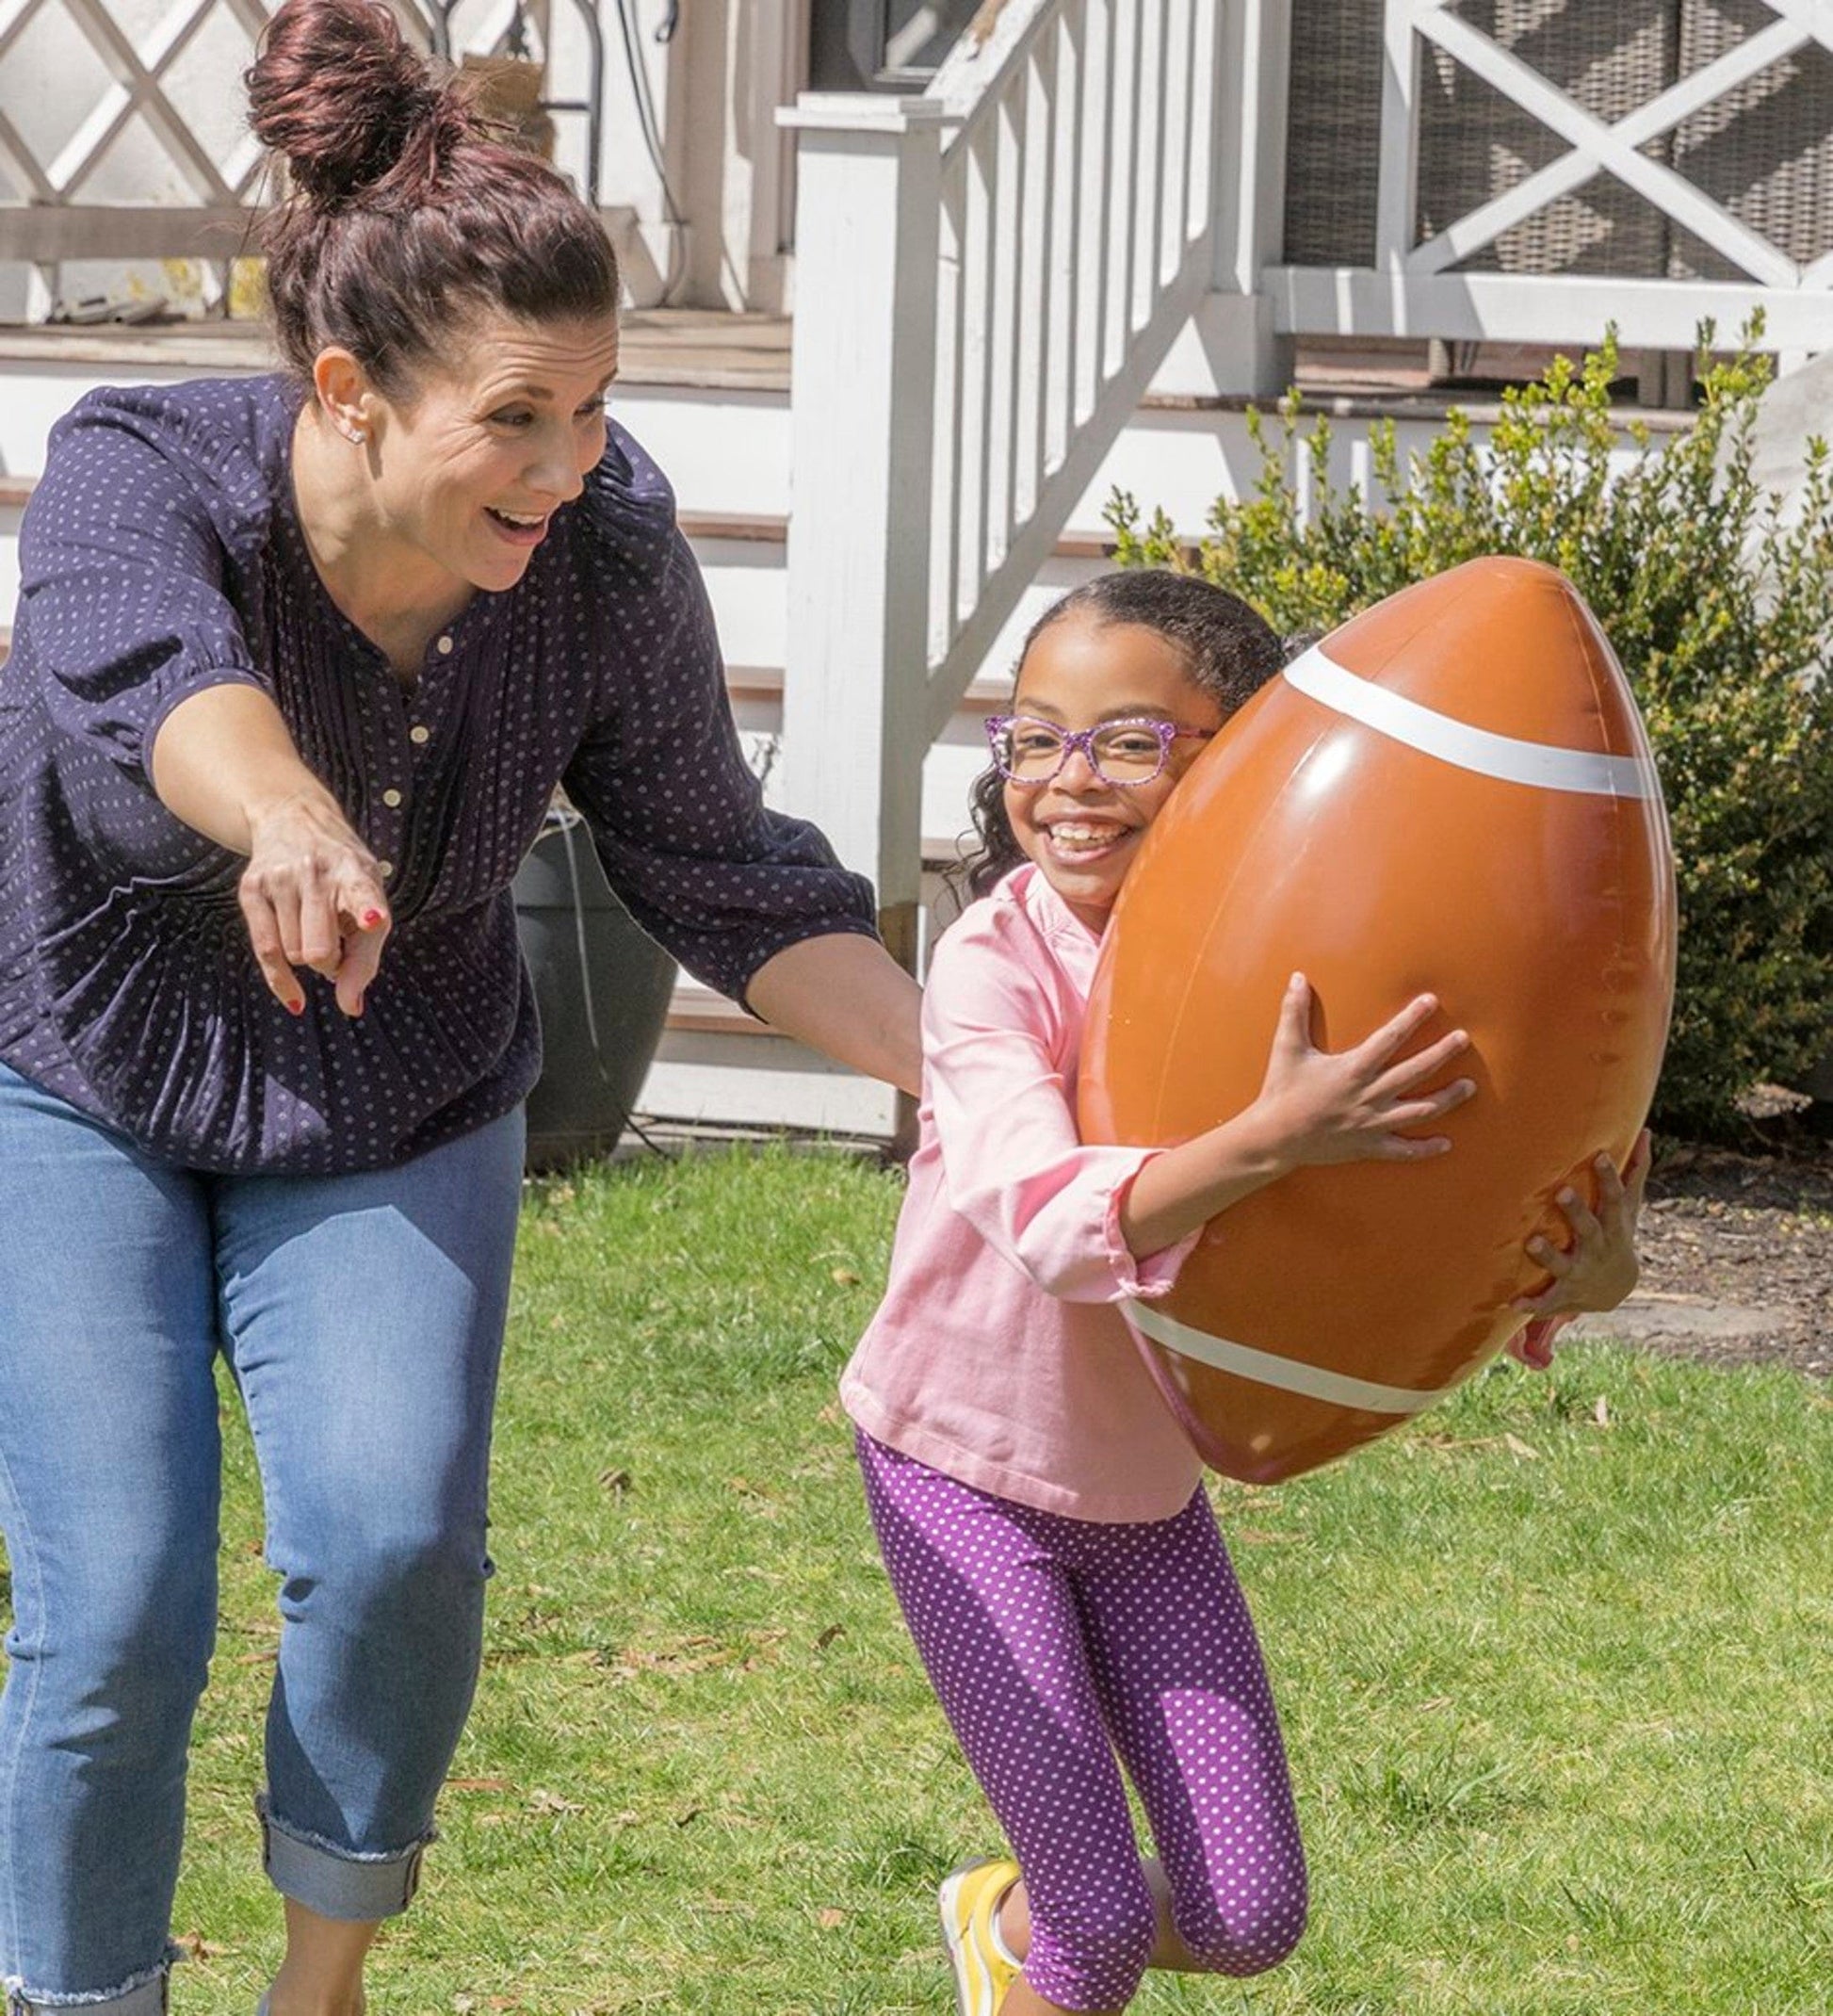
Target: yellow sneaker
(983, 1965)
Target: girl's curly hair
(1228, 649)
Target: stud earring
(358, 434)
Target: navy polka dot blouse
(160, 555)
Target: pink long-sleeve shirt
(999, 1355)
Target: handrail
(1076, 206)
(987, 276)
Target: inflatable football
(1450, 794)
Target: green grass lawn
(1555, 1670)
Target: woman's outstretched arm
(223, 761)
(845, 996)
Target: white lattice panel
(123, 132)
(148, 91)
(1592, 145)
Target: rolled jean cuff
(337, 1882)
(145, 1995)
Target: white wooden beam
(1565, 308)
(14, 14)
(47, 233)
(20, 160)
(862, 426)
(1032, 544)
(1398, 174)
(1240, 105)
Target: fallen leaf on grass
(615, 1481)
(828, 1636)
(845, 1278)
(479, 1784)
(1517, 1447)
(698, 1654)
(1600, 1413)
(544, 1801)
(195, 1947)
(1439, 1439)
(828, 1917)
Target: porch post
(862, 381)
(1252, 72)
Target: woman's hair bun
(337, 91)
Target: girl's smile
(1081, 831)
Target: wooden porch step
(740, 528)
(988, 694)
(772, 528)
(695, 1012)
(756, 529)
(703, 349)
(695, 349)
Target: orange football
(1450, 794)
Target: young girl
(1038, 1510)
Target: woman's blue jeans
(363, 1318)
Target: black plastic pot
(602, 987)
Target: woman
(298, 664)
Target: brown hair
(406, 218)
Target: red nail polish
(371, 919)
(297, 1007)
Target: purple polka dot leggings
(1064, 1649)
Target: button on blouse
(160, 555)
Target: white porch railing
(987, 277)
(137, 132)
(1413, 287)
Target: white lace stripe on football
(1291, 1375)
(1539, 764)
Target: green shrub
(1721, 614)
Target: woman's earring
(358, 434)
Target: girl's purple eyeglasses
(1125, 753)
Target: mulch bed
(1750, 1232)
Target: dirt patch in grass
(1737, 1254)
